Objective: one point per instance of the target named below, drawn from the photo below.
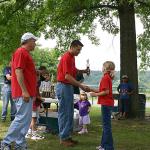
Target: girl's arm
(102, 93)
(89, 109)
(118, 89)
(94, 90)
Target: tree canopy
(66, 20)
(16, 18)
(47, 58)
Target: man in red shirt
(23, 92)
(66, 73)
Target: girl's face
(112, 74)
(83, 97)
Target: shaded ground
(128, 135)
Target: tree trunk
(128, 53)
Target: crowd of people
(22, 84)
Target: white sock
(34, 132)
(29, 131)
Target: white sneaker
(37, 137)
(28, 136)
(82, 131)
(99, 148)
(86, 131)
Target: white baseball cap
(124, 77)
(28, 36)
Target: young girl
(83, 105)
(105, 98)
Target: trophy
(88, 67)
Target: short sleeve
(69, 65)
(118, 88)
(105, 84)
(89, 104)
(19, 60)
(76, 105)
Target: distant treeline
(93, 79)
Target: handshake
(92, 92)
(85, 88)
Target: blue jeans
(107, 139)
(124, 105)
(65, 111)
(6, 97)
(20, 125)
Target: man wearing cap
(66, 74)
(23, 92)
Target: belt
(63, 83)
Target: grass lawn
(127, 134)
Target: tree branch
(4, 1)
(143, 3)
(20, 6)
(104, 6)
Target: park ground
(127, 134)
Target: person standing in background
(84, 106)
(80, 78)
(6, 92)
(42, 70)
(125, 90)
(23, 92)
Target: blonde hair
(108, 66)
(83, 93)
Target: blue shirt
(124, 88)
(7, 70)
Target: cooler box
(76, 126)
(51, 121)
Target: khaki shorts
(35, 114)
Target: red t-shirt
(23, 60)
(106, 84)
(66, 66)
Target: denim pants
(65, 111)
(6, 91)
(107, 139)
(20, 125)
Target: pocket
(58, 91)
(3, 88)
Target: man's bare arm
(74, 82)
(20, 79)
(8, 76)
